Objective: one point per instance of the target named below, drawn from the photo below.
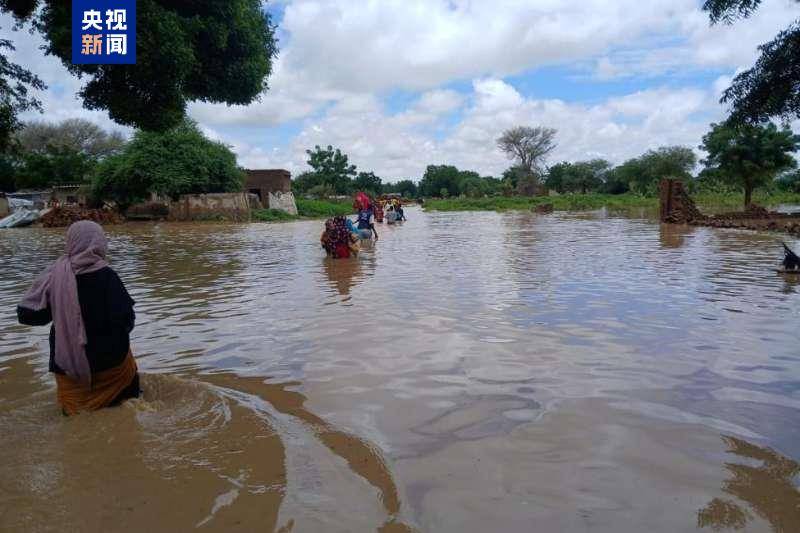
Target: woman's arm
(120, 304)
(29, 317)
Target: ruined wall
(675, 205)
(266, 181)
(218, 206)
(283, 201)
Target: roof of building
(274, 179)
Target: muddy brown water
(471, 372)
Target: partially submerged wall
(283, 201)
(677, 207)
(232, 206)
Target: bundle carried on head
(361, 201)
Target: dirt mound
(59, 217)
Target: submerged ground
(471, 372)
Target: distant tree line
(178, 161)
(332, 174)
(741, 157)
(181, 160)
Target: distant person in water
(391, 215)
(377, 208)
(92, 317)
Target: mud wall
(678, 208)
(283, 201)
(675, 205)
(218, 206)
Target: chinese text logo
(103, 31)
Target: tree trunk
(748, 195)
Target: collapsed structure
(677, 207)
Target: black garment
(108, 317)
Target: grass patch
(271, 215)
(717, 202)
(323, 208)
(708, 202)
(564, 202)
(305, 209)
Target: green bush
(323, 208)
(175, 162)
(271, 215)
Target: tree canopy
(582, 177)
(643, 173)
(772, 86)
(368, 182)
(46, 154)
(171, 163)
(748, 155)
(16, 82)
(528, 146)
(186, 51)
(75, 134)
(332, 169)
(405, 187)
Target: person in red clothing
(337, 240)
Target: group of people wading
(92, 313)
(342, 236)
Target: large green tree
(305, 181)
(53, 165)
(582, 177)
(772, 86)
(75, 134)
(405, 187)
(210, 51)
(178, 161)
(332, 168)
(644, 172)
(16, 86)
(441, 180)
(368, 182)
(47, 154)
(749, 155)
(528, 147)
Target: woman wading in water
(92, 317)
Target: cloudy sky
(400, 84)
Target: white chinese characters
(91, 19)
(117, 43)
(116, 19)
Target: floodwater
(471, 372)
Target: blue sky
(399, 84)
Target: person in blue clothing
(364, 222)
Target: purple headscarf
(85, 252)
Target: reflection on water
(468, 372)
(767, 488)
(343, 274)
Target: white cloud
(394, 147)
(340, 59)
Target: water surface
(470, 372)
